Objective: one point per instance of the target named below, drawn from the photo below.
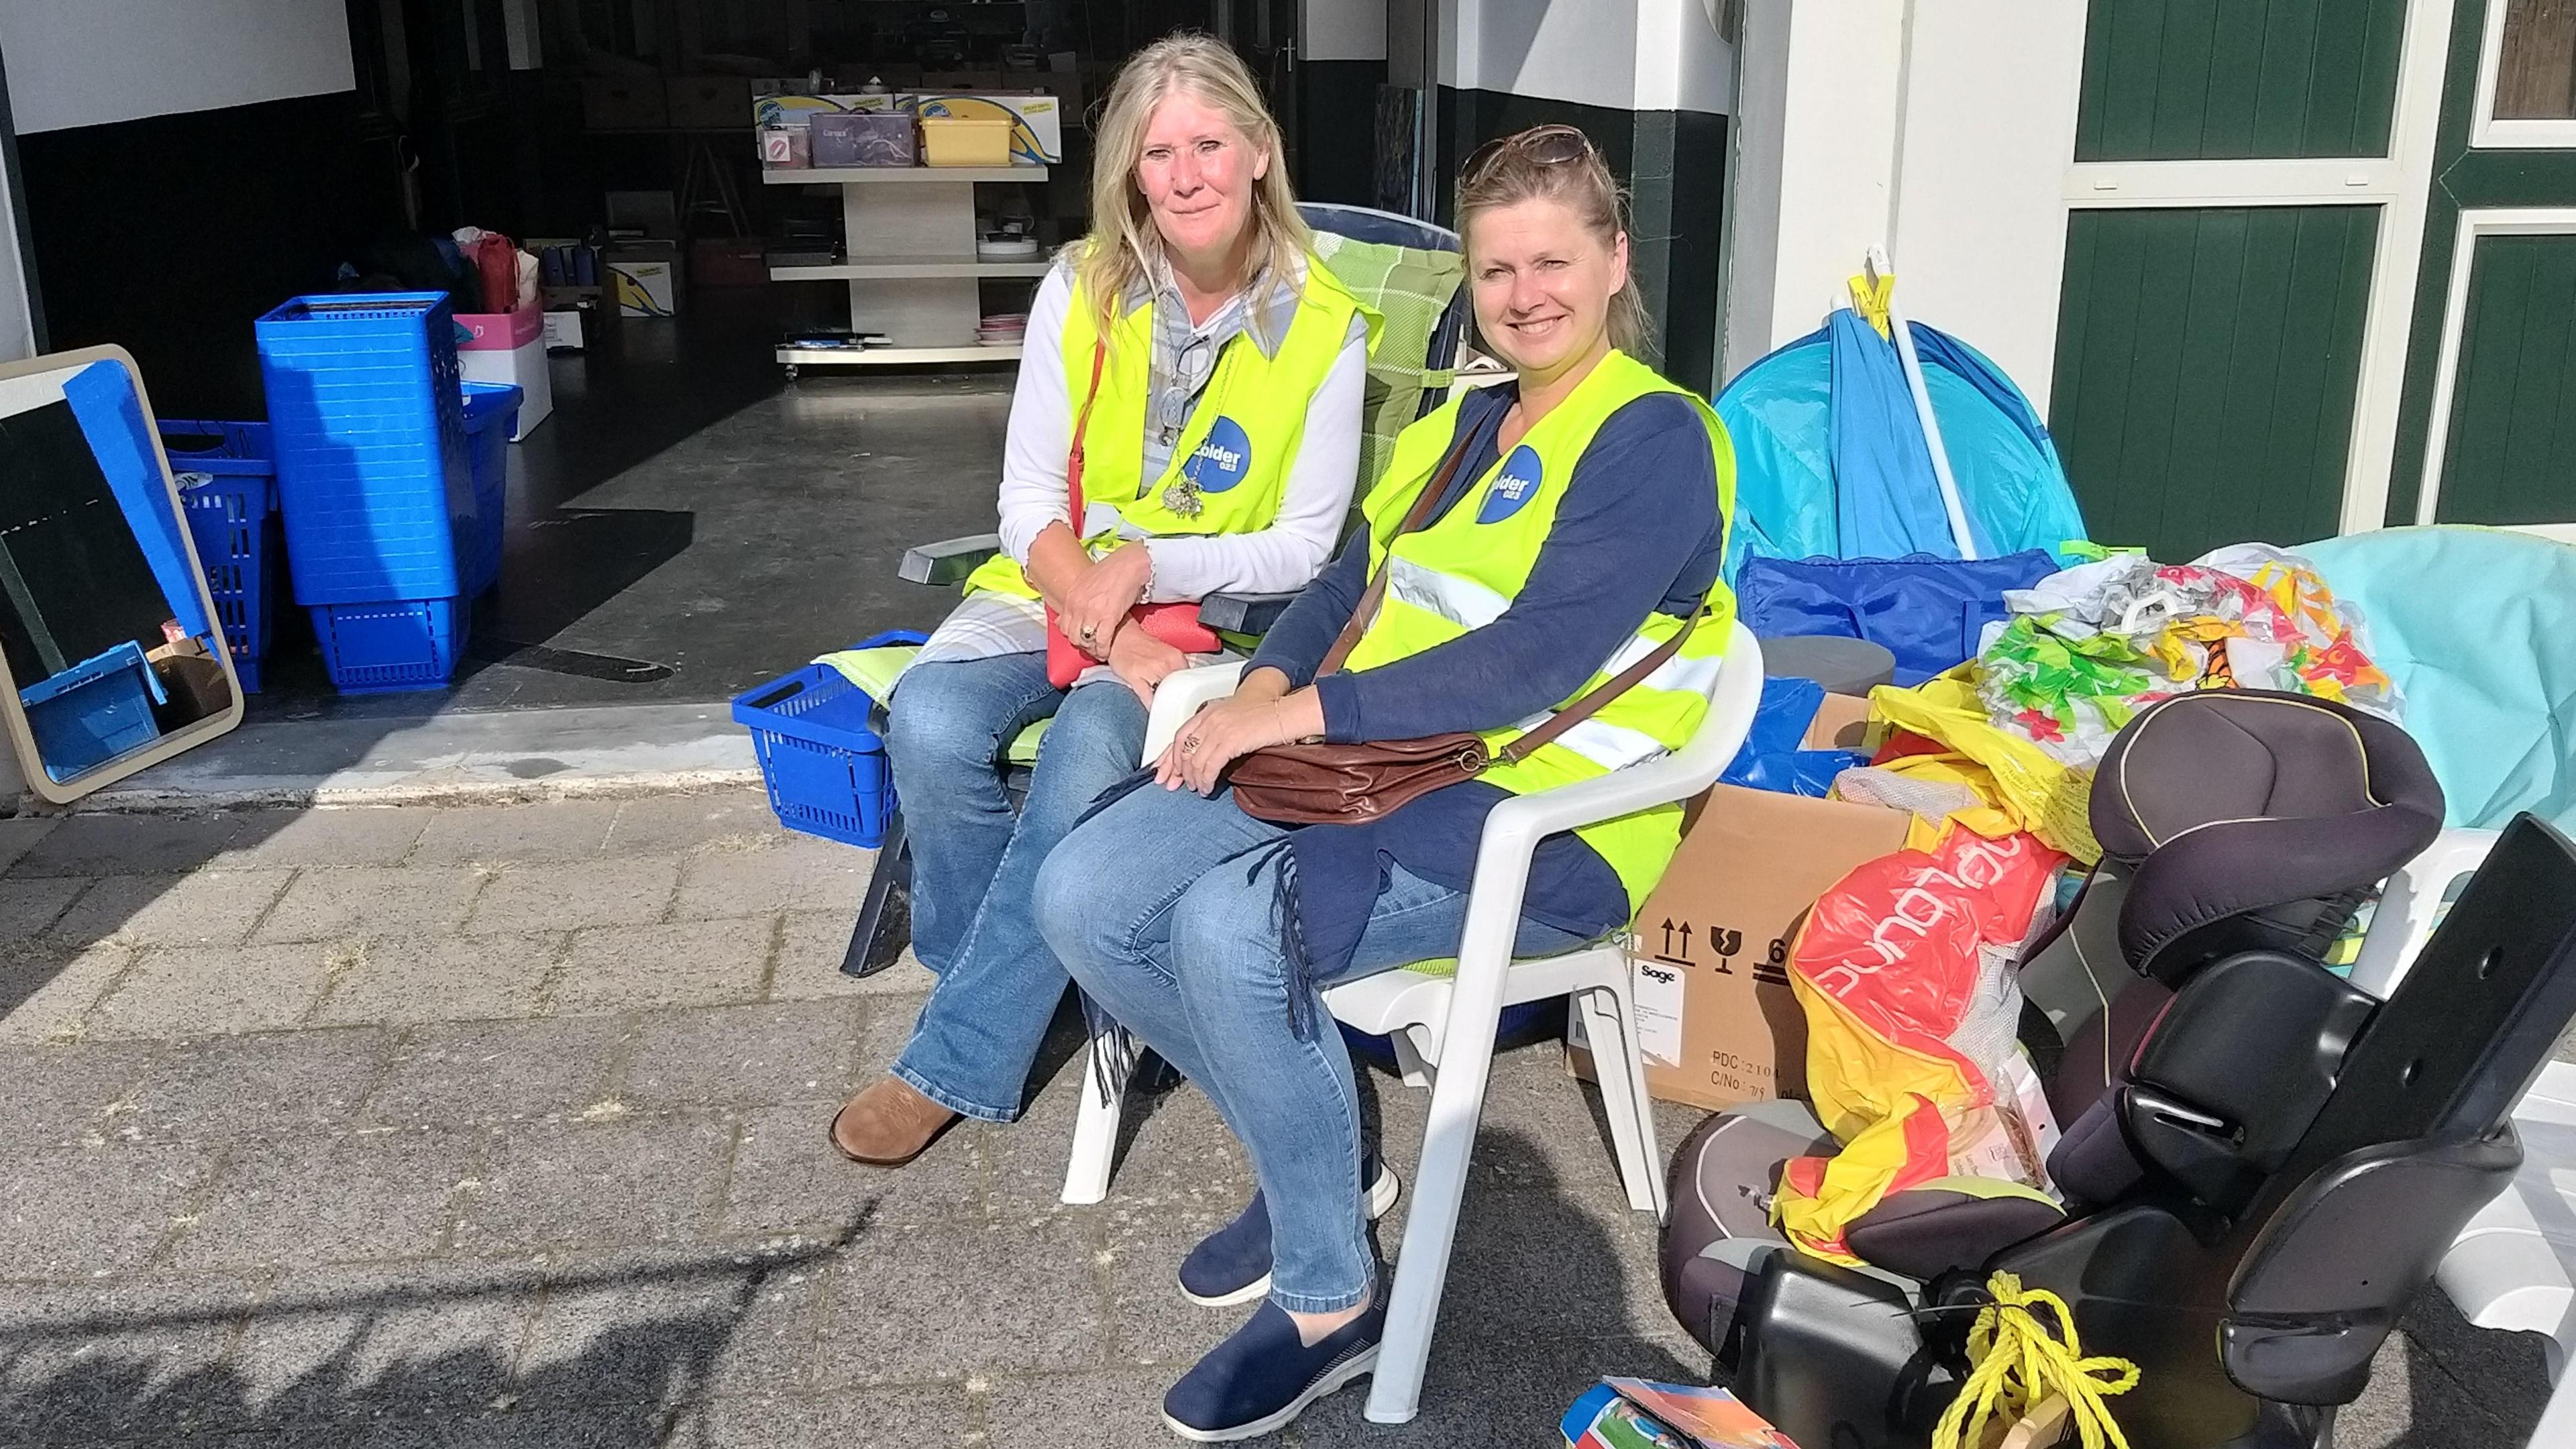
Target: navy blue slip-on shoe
(1232, 1264)
(1262, 1377)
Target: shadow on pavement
(494, 1355)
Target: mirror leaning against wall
(111, 645)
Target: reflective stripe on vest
(1237, 448)
(1614, 746)
(1463, 602)
(1463, 571)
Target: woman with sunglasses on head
(1199, 376)
(1528, 545)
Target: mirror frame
(13, 715)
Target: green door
(2210, 356)
(2206, 362)
(2487, 433)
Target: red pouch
(1176, 624)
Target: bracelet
(1286, 736)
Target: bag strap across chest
(1533, 740)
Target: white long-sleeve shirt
(1314, 502)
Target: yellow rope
(2019, 1360)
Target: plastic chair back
(1416, 287)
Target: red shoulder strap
(1082, 424)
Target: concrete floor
(504, 1126)
(685, 507)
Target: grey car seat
(2272, 1161)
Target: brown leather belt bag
(1328, 784)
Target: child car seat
(2261, 1162)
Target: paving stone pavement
(504, 1126)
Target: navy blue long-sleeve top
(1636, 531)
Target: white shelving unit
(909, 235)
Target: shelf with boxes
(909, 251)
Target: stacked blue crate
(375, 480)
(491, 415)
(229, 511)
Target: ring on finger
(1190, 745)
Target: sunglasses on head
(1546, 145)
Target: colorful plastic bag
(1905, 972)
(2044, 795)
(2087, 648)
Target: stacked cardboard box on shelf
(652, 102)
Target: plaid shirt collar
(1264, 309)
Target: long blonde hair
(1123, 245)
(1585, 187)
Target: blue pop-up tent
(1831, 458)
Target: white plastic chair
(1444, 1026)
(2510, 1267)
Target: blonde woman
(1535, 540)
(1209, 372)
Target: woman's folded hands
(1091, 597)
(1100, 598)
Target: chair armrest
(1243, 613)
(1514, 828)
(1179, 696)
(2408, 904)
(1517, 824)
(948, 561)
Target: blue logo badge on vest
(1511, 487)
(1223, 459)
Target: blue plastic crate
(390, 646)
(368, 425)
(229, 516)
(94, 711)
(204, 446)
(491, 416)
(824, 763)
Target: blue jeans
(1148, 907)
(974, 861)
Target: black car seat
(2261, 1163)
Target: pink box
(501, 331)
(509, 347)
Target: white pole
(1875, 265)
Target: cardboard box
(563, 330)
(709, 102)
(1716, 1019)
(509, 347)
(728, 262)
(792, 111)
(645, 277)
(643, 215)
(786, 148)
(609, 103)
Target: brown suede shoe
(888, 1124)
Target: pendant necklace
(1183, 495)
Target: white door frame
(2496, 221)
(2399, 184)
(2486, 133)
